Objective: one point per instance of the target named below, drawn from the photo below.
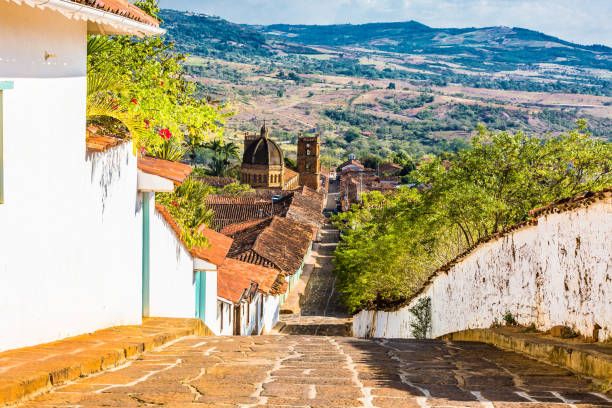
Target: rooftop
(219, 246)
(176, 172)
(235, 276)
(276, 242)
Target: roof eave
(99, 21)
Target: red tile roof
(389, 168)
(278, 242)
(237, 210)
(219, 246)
(122, 8)
(289, 175)
(351, 163)
(177, 172)
(269, 281)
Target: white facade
(271, 309)
(172, 286)
(225, 317)
(555, 273)
(70, 221)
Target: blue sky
(582, 21)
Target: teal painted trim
(146, 253)
(197, 294)
(200, 294)
(4, 85)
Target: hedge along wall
(554, 270)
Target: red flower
(174, 203)
(165, 134)
(134, 101)
(111, 100)
(115, 107)
(161, 83)
(147, 123)
(143, 150)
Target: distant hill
(502, 46)
(490, 48)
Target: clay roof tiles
(237, 210)
(235, 277)
(176, 172)
(121, 8)
(219, 246)
(279, 241)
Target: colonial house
(248, 298)
(53, 182)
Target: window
(3, 85)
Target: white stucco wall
(172, 289)
(70, 246)
(210, 318)
(558, 272)
(227, 328)
(271, 312)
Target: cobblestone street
(318, 371)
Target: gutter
(123, 25)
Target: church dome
(263, 151)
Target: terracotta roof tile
(97, 144)
(231, 286)
(281, 242)
(177, 172)
(389, 168)
(289, 175)
(216, 181)
(219, 246)
(122, 8)
(236, 210)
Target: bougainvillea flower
(165, 134)
(174, 203)
(143, 150)
(147, 123)
(161, 83)
(134, 101)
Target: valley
(370, 91)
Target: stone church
(263, 164)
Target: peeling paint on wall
(555, 272)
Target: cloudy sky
(582, 21)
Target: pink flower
(143, 150)
(174, 203)
(134, 101)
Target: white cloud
(583, 21)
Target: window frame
(4, 85)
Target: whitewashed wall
(227, 328)
(250, 324)
(210, 318)
(558, 272)
(172, 290)
(271, 312)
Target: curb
(40, 377)
(575, 357)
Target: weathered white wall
(251, 317)
(227, 328)
(556, 273)
(71, 236)
(271, 312)
(210, 318)
(172, 290)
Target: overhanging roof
(109, 17)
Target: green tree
(223, 153)
(392, 243)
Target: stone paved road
(318, 371)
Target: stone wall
(556, 271)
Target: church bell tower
(309, 161)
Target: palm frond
(97, 44)
(101, 107)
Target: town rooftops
(278, 242)
(219, 246)
(389, 168)
(351, 162)
(176, 172)
(110, 17)
(235, 210)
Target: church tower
(309, 161)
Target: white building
(70, 216)
(181, 282)
(248, 298)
